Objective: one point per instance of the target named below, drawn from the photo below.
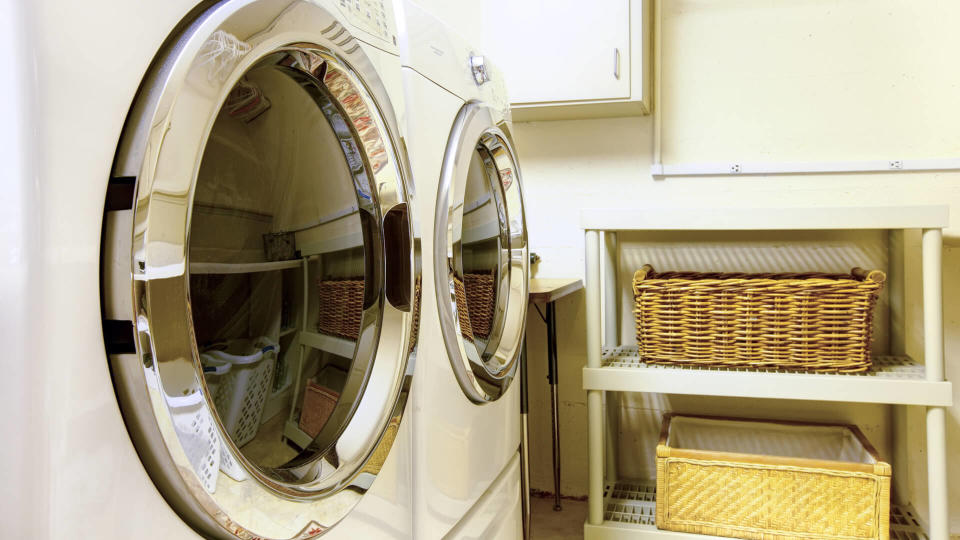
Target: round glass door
(285, 266)
(481, 253)
(273, 272)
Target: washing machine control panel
(369, 15)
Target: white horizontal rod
(735, 168)
(242, 268)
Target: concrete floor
(566, 524)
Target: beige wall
(746, 80)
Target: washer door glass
(481, 249)
(273, 273)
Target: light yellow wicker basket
(811, 322)
(769, 480)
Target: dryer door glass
(285, 251)
(481, 249)
(273, 273)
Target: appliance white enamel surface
(466, 399)
(80, 464)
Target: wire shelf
(889, 367)
(634, 502)
(891, 380)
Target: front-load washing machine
(215, 272)
(467, 427)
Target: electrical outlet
(735, 168)
(896, 164)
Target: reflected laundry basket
(239, 374)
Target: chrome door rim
(162, 147)
(482, 381)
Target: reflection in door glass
(280, 240)
(480, 255)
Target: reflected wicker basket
(318, 405)
(415, 323)
(478, 289)
(382, 451)
(341, 307)
(463, 316)
(811, 322)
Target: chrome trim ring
(484, 375)
(163, 384)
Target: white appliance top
(374, 17)
(433, 49)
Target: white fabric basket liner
(830, 443)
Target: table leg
(553, 378)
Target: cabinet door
(560, 50)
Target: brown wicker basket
(341, 307)
(770, 480)
(318, 405)
(812, 321)
(415, 323)
(345, 297)
(463, 316)
(478, 288)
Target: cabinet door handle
(616, 63)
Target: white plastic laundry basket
(239, 376)
(199, 436)
(203, 443)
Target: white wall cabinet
(570, 59)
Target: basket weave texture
(415, 323)
(480, 301)
(463, 312)
(809, 321)
(341, 307)
(380, 453)
(771, 498)
(318, 405)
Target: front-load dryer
(219, 294)
(467, 427)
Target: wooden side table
(548, 291)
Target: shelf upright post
(594, 397)
(611, 290)
(895, 287)
(301, 357)
(932, 247)
(611, 338)
(896, 346)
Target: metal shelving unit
(301, 338)
(620, 509)
(309, 339)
